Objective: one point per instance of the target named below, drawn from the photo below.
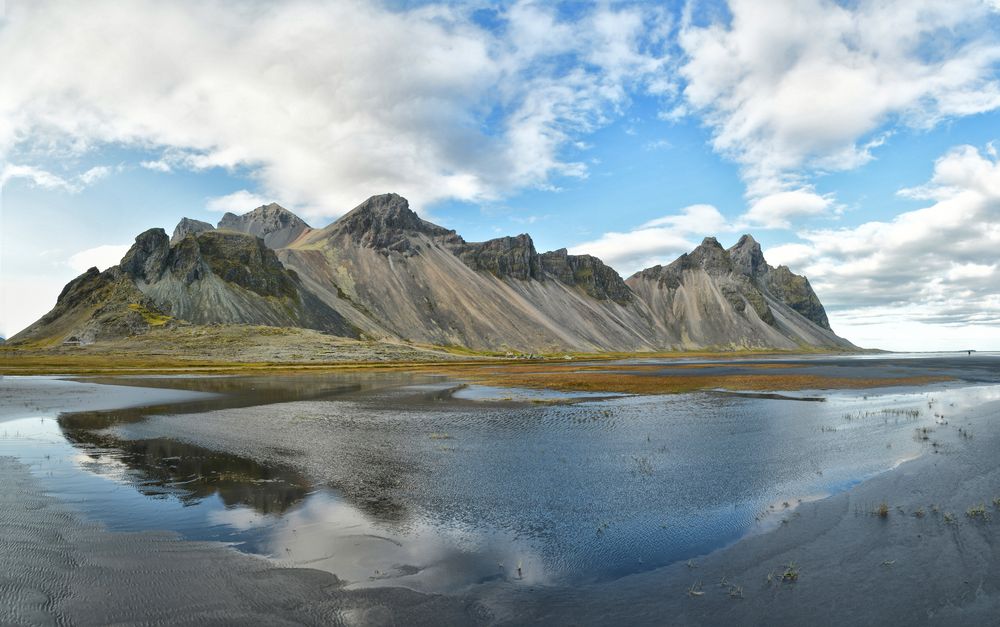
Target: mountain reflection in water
(395, 478)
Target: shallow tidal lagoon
(438, 485)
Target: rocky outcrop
(794, 290)
(94, 306)
(587, 272)
(503, 257)
(237, 259)
(791, 289)
(205, 278)
(188, 226)
(147, 258)
(747, 257)
(733, 298)
(246, 262)
(277, 226)
(384, 222)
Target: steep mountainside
(395, 275)
(204, 278)
(717, 297)
(383, 272)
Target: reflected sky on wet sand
(435, 486)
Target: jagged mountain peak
(384, 222)
(747, 257)
(189, 226)
(390, 206)
(746, 242)
(383, 271)
(508, 256)
(264, 213)
(385, 212)
(270, 209)
(709, 255)
(147, 257)
(277, 226)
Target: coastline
(852, 566)
(932, 571)
(60, 569)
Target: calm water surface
(411, 480)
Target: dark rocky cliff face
(147, 258)
(383, 222)
(796, 292)
(792, 289)
(709, 255)
(590, 273)
(239, 259)
(244, 261)
(503, 257)
(747, 257)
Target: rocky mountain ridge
(382, 272)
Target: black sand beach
(930, 556)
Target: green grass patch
(152, 318)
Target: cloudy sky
(856, 140)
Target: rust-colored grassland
(584, 373)
(643, 380)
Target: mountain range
(381, 272)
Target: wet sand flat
(927, 561)
(388, 457)
(57, 569)
(933, 559)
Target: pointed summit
(711, 256)
(189, 226)
(383, 221)
(277, 226)
(388, 210)
(748, 258)
(147, 258)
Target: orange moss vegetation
(636, 380)
(114, 364)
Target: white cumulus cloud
(658, 241)
(326, 103)
(932, 266)
(238, 202)
(40, 177)
(793, 86)
(101, 257)
(776, 211)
